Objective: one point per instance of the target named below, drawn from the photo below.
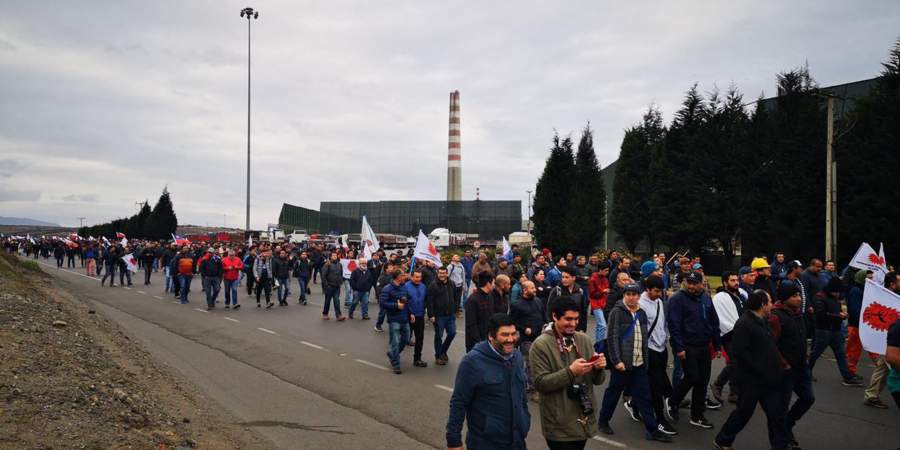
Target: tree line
(157, 223)
(725, 173)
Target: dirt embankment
(70, 379)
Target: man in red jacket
(232, 266)
(598, 289)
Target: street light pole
(249, 13)
(530, 239)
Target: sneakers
(712, 404)
(635, 414)
(439, 362)
(852, 382)
(659, 436)
(722, 447)
(604, 428)
(875, 402)
(237, 306)
(701, 422)
(227, 307)
(420, 363)
(397, 371)
(379, 329)
(324, 316)
(666, 427)
(342, 318)
(716, 391)
(366, 318)
(670, 412)
(269, 305)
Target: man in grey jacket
(332, 278)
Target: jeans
(770, 401)
(360, 297)
(147, 271)
(332, 294)
(796, 381)
(465, 293)
(283, 289)
(111, 274)
(382, 313)
(184, 283)
(169, 280)
(231, 292)
(213, 285)
(418, 330)
(697, 363)
(348, 293)
(124, 274)
(525, 349)
(443, 324)
(835, 340)
(399, 338)
(638, 384)
(303, 282)
(677, 371)
(600, 328)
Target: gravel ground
(71, 379)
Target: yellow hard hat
(759, 263)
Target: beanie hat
(786, 291)
(647, 268)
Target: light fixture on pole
(249, 13)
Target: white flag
(369, 240)
(130, 262)
(425, 250)
(880, 309)
(866, 259)
(507, 250)
(349, 265)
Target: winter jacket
(528, 313)
(620, 336)
(467, 264)
(479, 267)
(360, 280)
(789, 330)
(560, 292)
(560, 414)
(855, 298)
(231, 266)
(390, 296)
(415, 293)
(489, 395)
(692, 321)
(754, 353)
(479, 308)
(439, 300)
(262, 265)
(281, 267)
(596, 286)
(828, 312)
(185, 266)
(333, 274)
(302, 268)
(211, 267)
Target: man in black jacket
(568, 288)
(361, 284)
(332, 279)
(211, 272)
(281, 267)
(828, 319)
(479, 309)
(302, 270)
(148, 255)
(789, 330)
(440, 306)
(528, 315)
(757, 369)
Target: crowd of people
(526, 328)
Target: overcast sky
(105, 103)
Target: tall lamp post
(249, 13)
(530, 239)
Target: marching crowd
(526, 328)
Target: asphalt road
(302, 382)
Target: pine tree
(553, 197)
(162, 221)
(588, 214)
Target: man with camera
(629, 354)
(565, 371)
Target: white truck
(299, 237)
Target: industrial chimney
(454, 158)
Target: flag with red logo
(425, 250)
(880, 309)
(130, 262)
(369, 240)
(349, 265)
(866, 259)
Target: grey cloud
(10, 167)
(8, 195)
(88, 198)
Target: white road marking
(126, 287)
(201, 310)
(310, 344)
(176, 302)
(609, 442)
(142, 292)
(371, 364)
(267, 331)
(233, 320)
(444, 388)
(157, 297)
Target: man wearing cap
(792, 276)
(779, 268)
(211, 275)
(828, 320)
(747, 277)
(789, 331)
(693, 324)
(763, 276)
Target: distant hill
(25, 221)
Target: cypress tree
(552, 197)
(588, 212)
(162, 221)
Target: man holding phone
(393, 300)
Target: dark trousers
(659, 381)
(637, 383)
(696, 365)
(264, 284)
(317, 269)
(796, 381)
(770, 399)
(566, 445)
(59, 262)
(70, 261)
(418, 330)
(148, 269)
(251, 281)
(725, 375)
(332, 294)
(124, 274)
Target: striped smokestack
(454, 158)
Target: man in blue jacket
(393, 301)
(693, 325)
(414, 290)
(489, 393)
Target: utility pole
(81, 219)
(530, 239)
(830, 206)
(250, 14)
